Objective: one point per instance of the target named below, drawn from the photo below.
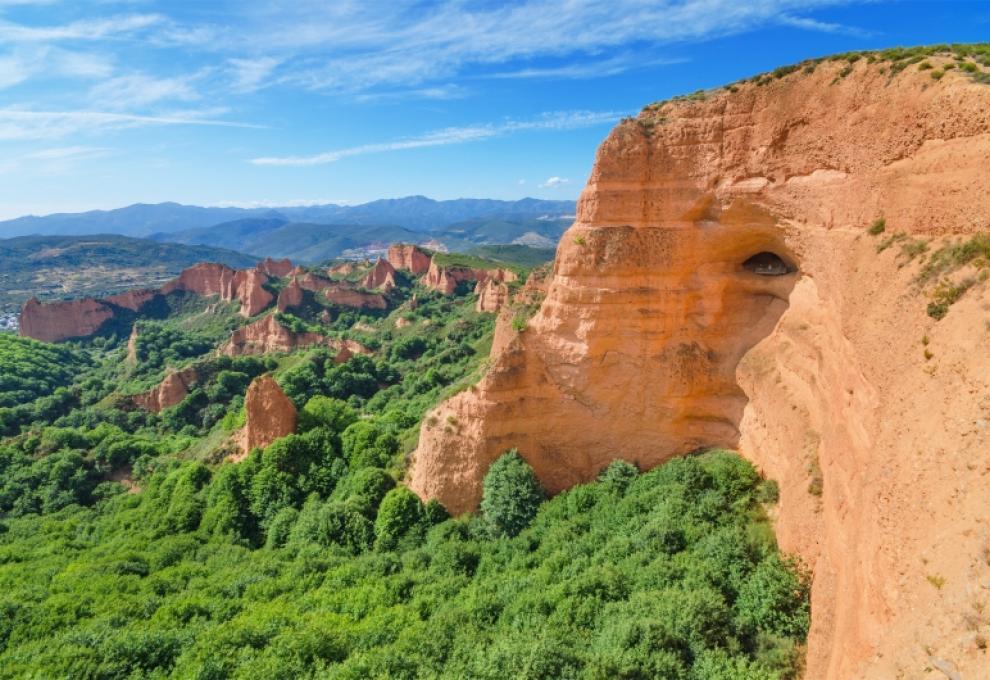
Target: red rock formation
(290, 297)
(66, 319)
(269, 415)
(342, 269)
(267, 335)
(131, 359)
(245, 286)
(492, 295)
(409, 257)
(276, 268)
(347, 296)
(172, 390)
(134, 300)
(444, 278)
(654, 339)
(382, 276)
(57, 321)
(313, 283)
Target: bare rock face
(290, 297)
(206, 279)
(408, 257)
(312, 282)
(444, 278)
(719, 289)
(347, 296)
(67, 319)
(381, 276)
(276, 268)
(57, 321)
(134, 300)
(270, 415)
(492, 295)
(131, 358)
(267, 335)
(342, 269)
(171, 391)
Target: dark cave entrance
(768, 264)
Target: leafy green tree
(511, 495)
(321, 411)
(399, 513)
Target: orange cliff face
(719, 289)
(381, 276)
(411, 258)
(171, 391)
(246, 286)
(269, 414)
(268, 335)
(67, 319)
(276, 268)
(444, 278)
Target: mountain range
(417, 213)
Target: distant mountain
(416, 213)
(299, 241)
(73, 266)
(308, 242)
(135, 220)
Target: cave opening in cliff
(768, 264)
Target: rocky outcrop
(408, 257)
(131, 356)
(312, 282)
(133, 300)
(666, 327)
(492, 295)
(343, 269)
(207, 279)
(345, 295)
(381, 276)
(267, 335)
(269, 414)
(169, 392)
(276, 268)
(67, 319)
(444, 278)
(290, 297)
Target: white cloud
(554, 182)
(824, 26)
(376, 45)
(558, 120)
(249, 74)
(86, 29)
(139, 89)
(51, 161)
(16, 124)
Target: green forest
(130, 548)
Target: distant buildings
(8, 323)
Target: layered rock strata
(719, 288)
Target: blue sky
(279, 102)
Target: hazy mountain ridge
(417, 213)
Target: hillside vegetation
(129, 548)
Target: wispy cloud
(51, 161)
(559, 120)
(379, 46)
(825, 26)
(587, 70)
(16, 124)
(554, 182)
(137, 90)
(249, 74)
(86, 29)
